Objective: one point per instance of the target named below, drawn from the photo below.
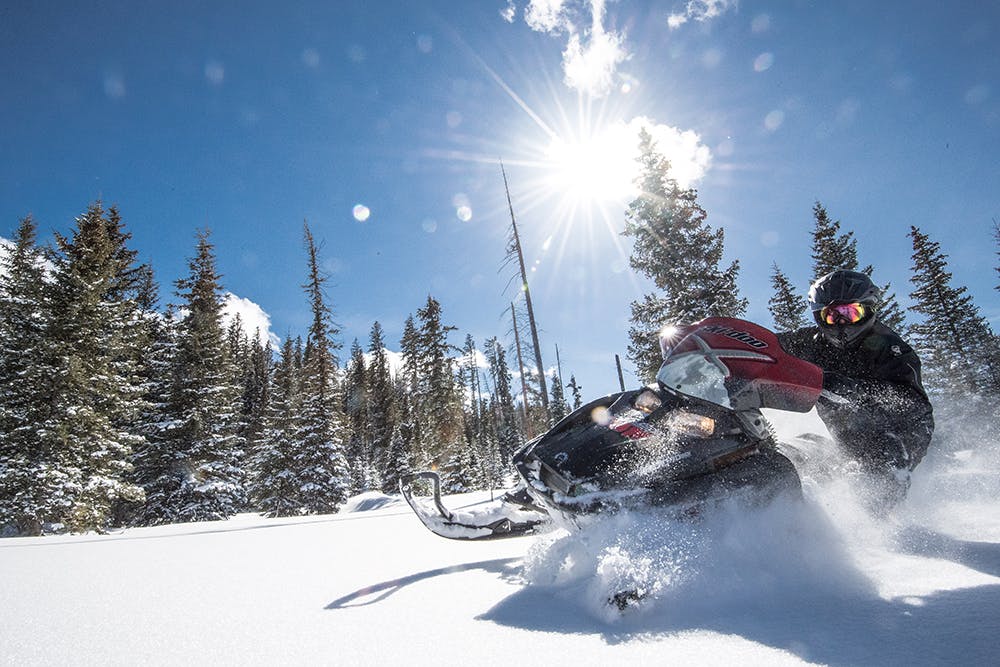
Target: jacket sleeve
(887, 419)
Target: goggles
(843, 313)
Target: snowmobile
(695, 436)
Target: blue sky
(251, 117)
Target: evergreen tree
(436, 400)
(155, 464)
(356, 410)
(557, 403)
(23, 384)
(576, 391)
(831, 249)
(205, 482)
(959, 350)
(320, 464)
(504, 410)
(787, 308)
(382, 411)
(272, 484)
(94, 390)
(680, 253)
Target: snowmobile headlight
(647, 401)
(691, 424)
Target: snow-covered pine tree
(437, 401)
(256, 390)
(273, 489)
(410, 382)
(95, 391)
(576, 391)
(204, 405)
(381, 410)
(787, 307)
(680, 253)
(400, 458)
(319, 463)
(474, 474)
(505, 412)
(831, 249)
(154, 462)
(557, 402)
(958, 348)
(23, 384)
(364, 475)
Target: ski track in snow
(819, 582)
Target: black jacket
(885, 419)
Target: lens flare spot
(763, 62)
(464, 213)
(361, 212)
(429, 225)
(774, 120)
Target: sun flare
(599, 168)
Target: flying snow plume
(676, 568)
(592, 54)
(700, 10)
(252, 318)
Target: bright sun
(598, 168)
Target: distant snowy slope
(793, 584)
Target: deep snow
(818, 582)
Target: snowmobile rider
(873, 402)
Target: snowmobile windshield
(740, 366)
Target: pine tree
(206, 481)
(356, 410)
(576, 391)
(557, 404)
(680, 253)
(436, 400)
(95, 390)
(154, 462)
(23, 383)
(955, 342)
(382, 412)
(273, 488)
(320, 464)
(504, 410)
(787, 308)
(831, 249)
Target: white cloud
(592, 54)
(509, 12)
(700, 10)
(252, 318)
(689, 158)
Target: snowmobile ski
(489, 521)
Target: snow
(819, 582)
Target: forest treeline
(116, 410)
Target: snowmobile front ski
(488, 521)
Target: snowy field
(813, 583)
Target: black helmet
(844, 326)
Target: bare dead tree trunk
(520, 367)
(527, 298)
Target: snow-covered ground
(819, 582)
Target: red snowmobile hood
(741, 365)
